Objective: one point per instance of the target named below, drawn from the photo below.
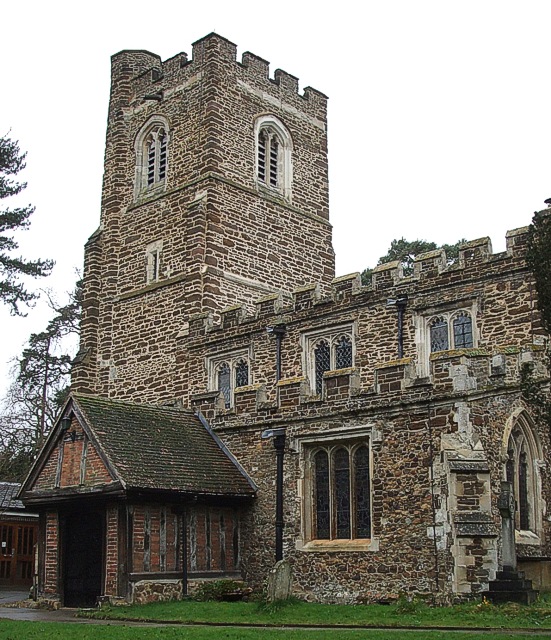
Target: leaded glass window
(224, 383)
(241, 373)
(343, 351)
(321, 475)
(322, 358)
(341, 499)
(362, 495)
(328, 351)
(439, 335)
(227, 373)
(341, 464)
(519, 471)
(463, 331)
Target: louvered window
(268, 160)
(152, 153)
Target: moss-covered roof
(160, 448)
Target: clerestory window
(328, 350)
(341, 491)
(227, 373)
(442, 330)
(451, 331)
(273, 155)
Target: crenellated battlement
(431, 272)
(146, 72)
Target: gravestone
(506, 506)
(509, 585)
(280, 582)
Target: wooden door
(17, 542)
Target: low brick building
(213, 328)
(18, 535)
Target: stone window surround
(521, 421)
(153, 254)
(331, 335)
(274, 126)
(423, 319)
(232, 358)
(153, 124)
(306, 447)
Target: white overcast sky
(439, 113)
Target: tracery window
(151, 155)
(520, 471)
(227, 373)
(327, 351)
(273, 155)
(442, 330)
(458, 327)
(341, 502)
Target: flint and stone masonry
(210, 301)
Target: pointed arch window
(273, 155)
(521, 471)
(341, 493)
(328, 351)
(227, 373)
(451, 331)
(151, 149)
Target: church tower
(215, 193)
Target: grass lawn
(414, 614)
(10, 630)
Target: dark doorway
(83, 558)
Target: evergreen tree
(405, 252)
(538, 257)
(39, 388)
(12, 289)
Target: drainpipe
(184, 552)
(278, 436)
(400, 303)
(278, 331)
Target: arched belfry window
(151, 149)
(273, 155)
(521, 470)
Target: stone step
(509, 574)
(528, 596)
(510, 585)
